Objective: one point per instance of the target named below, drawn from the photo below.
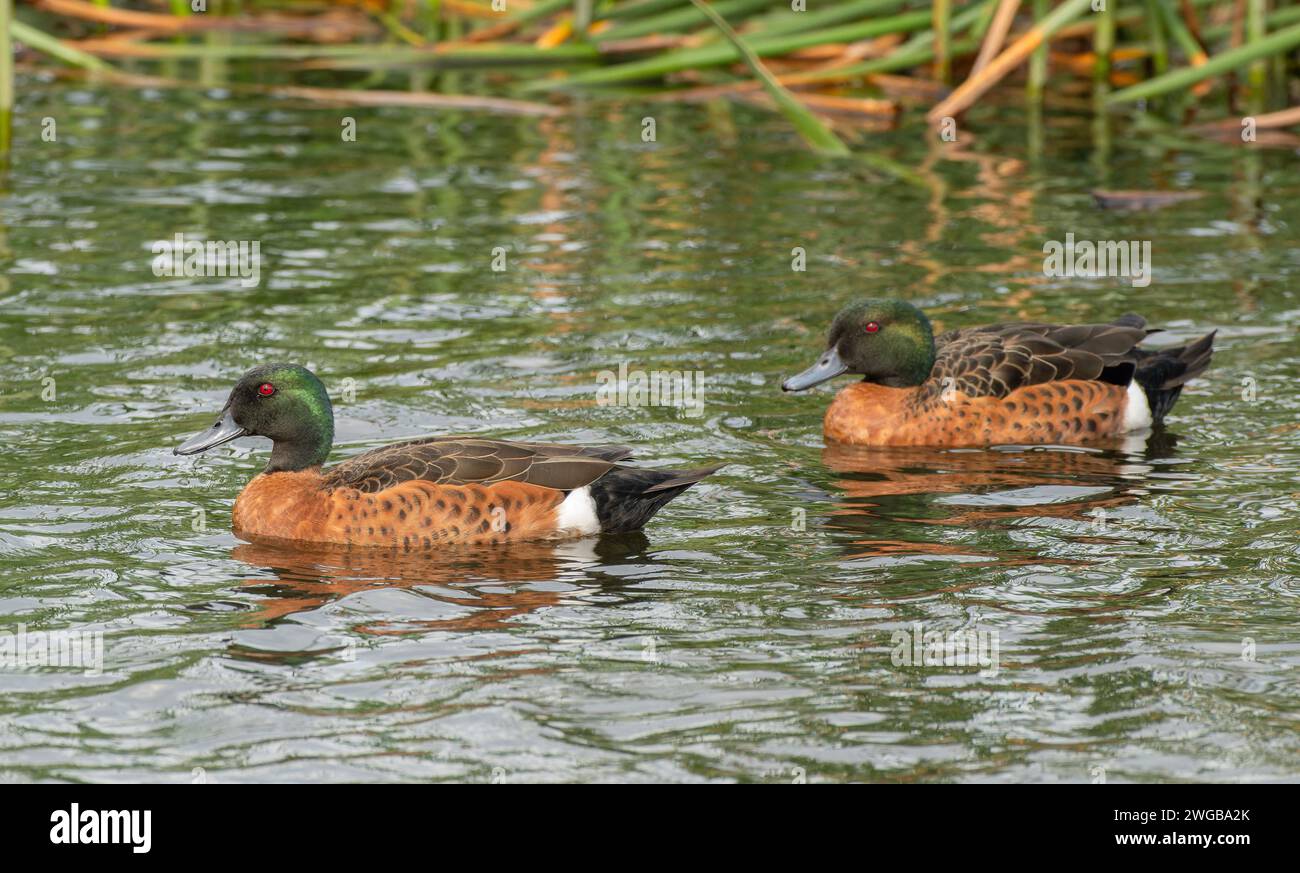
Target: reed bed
(827, 67)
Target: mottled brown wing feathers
(465, 461)
(995, 360)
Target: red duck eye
(872, 326)
(266, 389)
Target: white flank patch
(578, 512)
(1137, 412)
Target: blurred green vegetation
(854, 64)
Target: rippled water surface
(1144, 598)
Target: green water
(1144, 598)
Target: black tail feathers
(627, 497)
(1163, 372)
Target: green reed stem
(1277, 19)
(640, 8)
(481, 54)
(426, 19)
(832, 14)
(1038, 60)
(715, 55)
(1159, 42)
(818, 136)
(540, 10)
(983, 22)
(903, 57)
(1103, 42)
(1178, 29)
(916, 51)
(1279, 41)
(941, 15)
(43, 42)
(676, 20)
(6, 75)
(581, 16)
(1257, 77)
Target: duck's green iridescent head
(887, 341)
(283, 402)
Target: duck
(421, 494)
(1000, 384)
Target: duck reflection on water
(487, 586)
(875, 487)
